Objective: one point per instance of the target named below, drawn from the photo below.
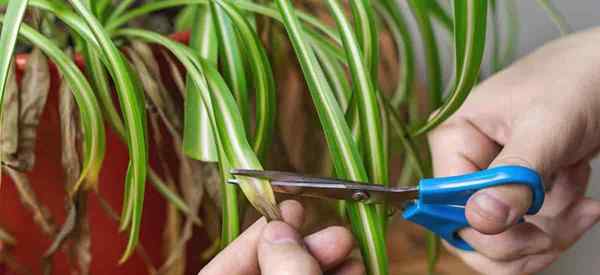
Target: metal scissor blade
(295, 184)
(288, 177)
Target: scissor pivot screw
(360, 196)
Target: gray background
(584, 257)
(535, 30)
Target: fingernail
(280, 233)
(491, 207)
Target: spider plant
(229, 94)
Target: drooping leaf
(175, 73)
(469, 40)
(367, 34)
(395, 21)
(131, 99)
(75, 227)
(9, 134)
(32, 101)
(70, 134)
(230, 57)
(28, 197)
(262, 77)
(160, 102)
(347, 160)
(198, 137)
(154, 89)
(94, 138)
(420, 10)
(222, 111)
(8, 38)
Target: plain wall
(584, 257)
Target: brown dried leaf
(6, 238)
(149, 73)
(192, 177)
(171, 236)
(176, 74)
(63, 234)
(70, 133)
(9, 134)
(171, 231)
(75, 227)
(33, 95)
(80, 249)
(41, 216)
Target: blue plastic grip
(441, 204)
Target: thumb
(535, 146)
(493, 210)
(280, 251)
(544, 140)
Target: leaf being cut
(224, 116)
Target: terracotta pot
(47, 181)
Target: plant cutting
(209, 104)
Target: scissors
(438, 204)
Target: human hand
(277, 248)
(543, 112)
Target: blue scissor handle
(441, 204)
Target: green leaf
(242, 5)
(347, 160)
(100, 7)
(373, 140)
(96, 72)
(395, 21)
(262, 77)
(366, 33)
(185, 18)
(91, 118)
(232, 65)
(335, 74)
(66, 14)
(198, 138)
(469, 40)
(132, 106)
(224, 115)
(440, 14)
(420, 10)
(557, 18)
(119, 9)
